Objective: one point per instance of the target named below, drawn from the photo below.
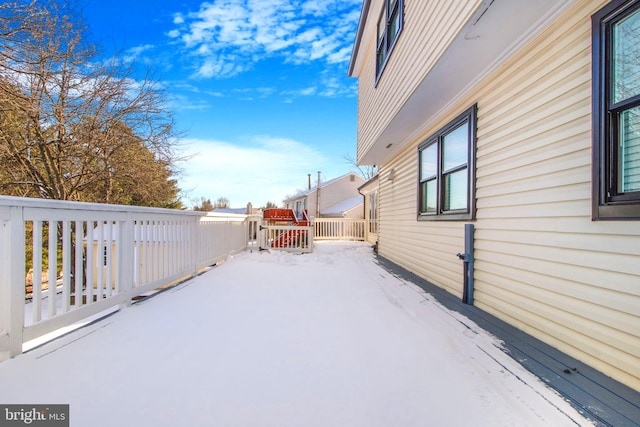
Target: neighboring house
(370, 191)
(349, 208)
(248, 210)
(523, 119)
(338, 197)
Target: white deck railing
(300, 239)
(340, 229)
(62, 262)
(286, 237)
(82, 258)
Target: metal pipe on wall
(468, 258)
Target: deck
(603, 400)
(270, 338)
(358, 343)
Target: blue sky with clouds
(259, 87)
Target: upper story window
(389, 27)
(446, 188)
(616, 111)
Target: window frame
(383, 44)
(607, 202)
(373, 211)
(440, 214)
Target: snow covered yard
(325, 339)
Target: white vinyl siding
(429, 26)
(541, 263)
(428, 251)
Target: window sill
(447, 217)
(620, 212)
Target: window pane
(428, 162)
(629, 151)
(382, 24)
(626, 58)
(380, 59)
(428, 197)
(394, 25)
(455, 191)
(455, 147)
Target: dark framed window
(446, 187)
(390, 25)
(616, 111)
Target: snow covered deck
(250, 344)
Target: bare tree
(270, 205)
(221, 202)
(367, 172)
(67, 119)
(205, 205)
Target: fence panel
(83, 258)
(287, 238)
(340, 229)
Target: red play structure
(287, 217)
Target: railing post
(366, 230)
(196, 247)
(125, 247)
(12, 280)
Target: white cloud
(137, 53)
(178, 18)
(225, 33)
(264, 169)
(332, 87)
(309, 91)
(221, 66)
(181, 102)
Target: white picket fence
(287, 238)
(83, 259)
(301, 239)
(340, 229)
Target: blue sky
(259, 87)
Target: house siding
(541, 263)
(429, 27)
(343, 188)
(331, 193)
(428, 250)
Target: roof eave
(492, 34)
(356, 45)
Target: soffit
(494, 32)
